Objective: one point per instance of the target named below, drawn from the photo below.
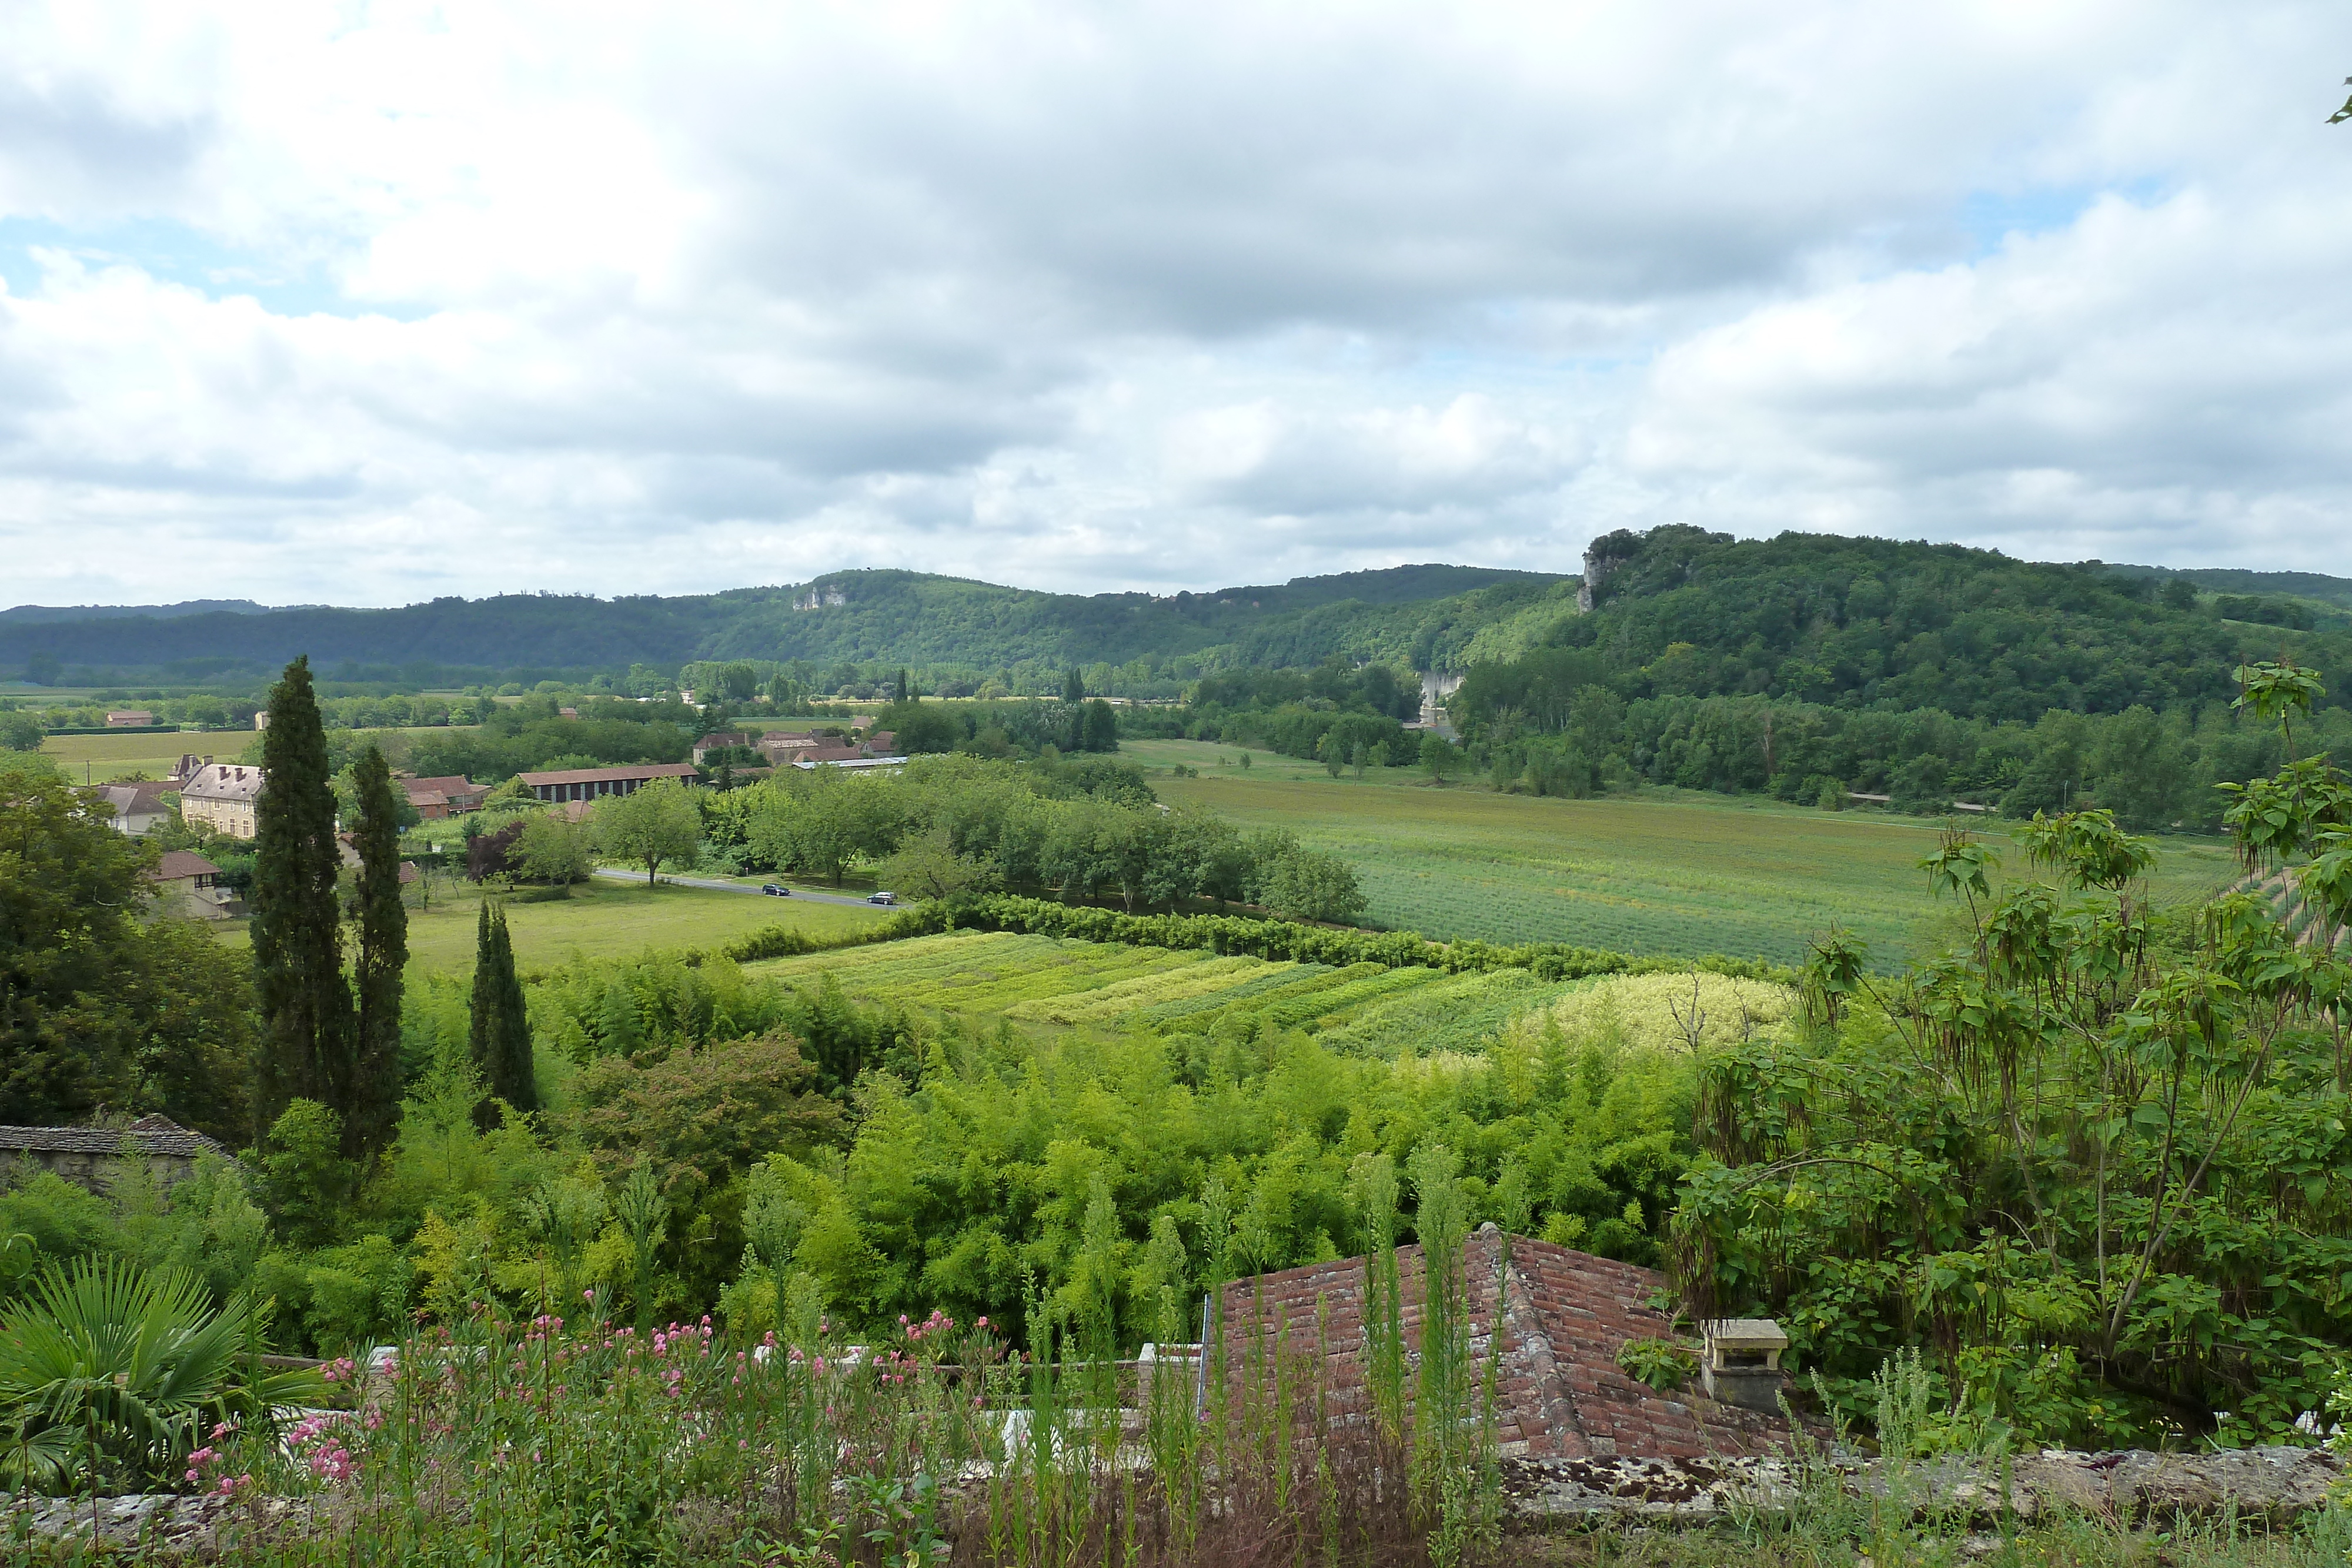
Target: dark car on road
(775, 890)
(881, 898)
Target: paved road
(750, 888)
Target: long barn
(596, 783)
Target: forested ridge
(903, 617)
(1818, 618)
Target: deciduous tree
(656, 823)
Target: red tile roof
(178, 864)
(1564, 1315)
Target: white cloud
(370, 303)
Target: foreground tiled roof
(1563, 1316)
(157, 1134)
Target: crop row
(1366, 1008)
(1269, 977)
(1455, 1015)
(1124, 999)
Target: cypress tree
(372, 1094)
(297, 958)
(501, 1036)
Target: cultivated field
(1674, 874)
(607, 920)
(1046, 981)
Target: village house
(129, 718)
(138, 804)
(453, 796)
(221, 796)
(596, 783)
(89, 1156)
(779, 745)
(189, 886)
(719, 740)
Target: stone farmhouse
(434, 798)
(189, 886)
(129, 718)
(720, 740)
(221, 796)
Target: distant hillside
(30, 615)
(855, 617)
(2236, 580)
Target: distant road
(750, 888)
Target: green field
(1046, 981)
(609, 920)
(95, 759)
(1674, 875)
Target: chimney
(1742, 1365)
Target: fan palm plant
(118, 1365)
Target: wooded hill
(1850, 621)
(857, 617)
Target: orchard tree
(657, 822)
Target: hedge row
(784, 942)
(1282, 940)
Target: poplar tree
(372, 1094)
(297, 958)
(501, 1038)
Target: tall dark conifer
(501, 1023)
(297, 958)
(373, 1093)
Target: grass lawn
(609, 920)
(1664, 872)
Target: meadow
(1675, 873)
(604, 920)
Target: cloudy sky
(365, 303)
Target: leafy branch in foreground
(2096, 1158)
